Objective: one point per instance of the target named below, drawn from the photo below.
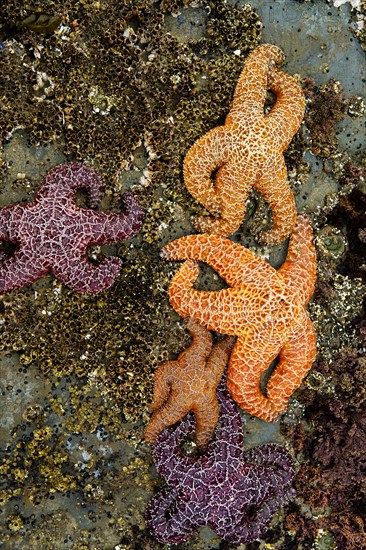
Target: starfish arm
(219, 358)
(273, 455)
(162, 384)
(167, 415)
(232, 261)
(4, 236)
(299, 269)
(205, 307)
(201, 344)
(228, 436)
(170, 461)
(296, 358)
(79, 274)
(168, 518)
(207, 414)
(251, 90)
(275, 189)
(17, 271)
(261, 482)
(132, 219)
(233, 186)
(253, 526)
(206, 155)
(64, 180)
(286, 115)
(104, 227)
(250, 358)
(7, 221)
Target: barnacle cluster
(331, 241)
(104, 84)
(116, 338)
(339, 300)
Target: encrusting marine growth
(265, 308)
(248, 151)
(52, 234)
(235, 493)
(189, 384)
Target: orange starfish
(248, 151)
(189, 384)
(265, 308)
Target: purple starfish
(52, 234)
(232, 492)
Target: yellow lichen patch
(87, 419)
(15, 523)
(4, 497)
(42, 461)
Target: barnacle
(331, 241)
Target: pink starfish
(52, 234)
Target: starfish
(234, 493)
(189, 384)
(248, 151)
(265, 308)
(52, 234)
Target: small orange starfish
(248, 151)
(265, 308)
(189, 384)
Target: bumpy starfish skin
(52, 234)
(234, 493)
(248, 151)
(265, 308)
(189, 384)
